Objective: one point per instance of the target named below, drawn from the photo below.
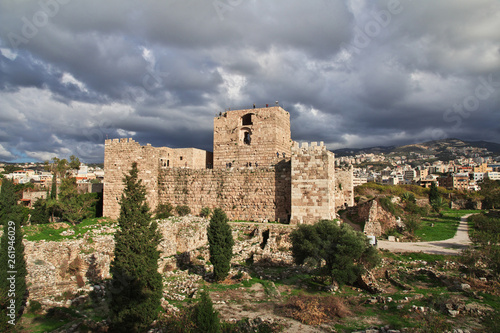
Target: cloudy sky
(353, 73)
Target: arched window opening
(247, 119)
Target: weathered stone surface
(251, 179)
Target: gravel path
(452, 246)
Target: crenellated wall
(254, 174)
(313, 183)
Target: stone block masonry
(252, 136)
(254, 173)
(247, 194)
(313, 183)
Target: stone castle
(255, 173)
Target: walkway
(452, 246)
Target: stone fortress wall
(254, 173)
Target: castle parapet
(313, 183)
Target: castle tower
(246, 137)
(313, 183)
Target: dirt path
(452, 246)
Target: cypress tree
(433, 193)
(220, 240)
(136, 286)
(8, 201)
(13, 291)
(206, 318)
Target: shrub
(345, 252)
(387, 204)
(315, 310)
(164, 211)
(412, 223)
(205, 212)
(183, 210)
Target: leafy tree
(490, 190)
(220, 240)
(74, 162)
(40, 213)
(205, 317)
(136, 286)
(345, 252)
(13, 290)
(75, 207)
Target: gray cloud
(351, 73)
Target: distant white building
(493, 175)
(478, 176)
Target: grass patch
(54, 231)
(437, 229)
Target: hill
(440, 148)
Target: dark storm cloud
(351, 73)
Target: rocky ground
(416, 292)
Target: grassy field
(437, 228)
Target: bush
(415, 209)
(205, 212)
(412, 223)
(345, 252)
(315, 310)
(183, 210)
(164, 211)
(387, 204)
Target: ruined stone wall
(377, 219)
(75, 265)
(269, 133)
(119, 154)
(344, 196)
(313, 183)
(249, 194)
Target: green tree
(9, 209)
(220, 240)
(433, 193)
(8, 200)
(438, 204)
(408, 197)
(40, 213)
(345, 252)
(490, 190)
(13, 291)
(136, 286)
(75, 207)
(74, 162)
(412, 223)
(205, 317)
